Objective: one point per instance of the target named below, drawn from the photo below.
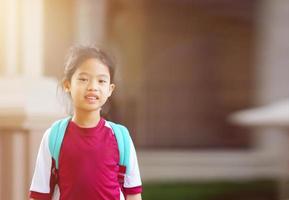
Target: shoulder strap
(123, 140)
(56, 135)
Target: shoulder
(46, 135)
(61, 122)
(59, 125)
(113, 125)
(56, 130)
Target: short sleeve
(40, 186)
(132, 180)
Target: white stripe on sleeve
(132, 177)
(41, 178)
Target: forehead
(92, 67)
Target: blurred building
(184, 66)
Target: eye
(83, 79)
(102, 81)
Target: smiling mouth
(91, 98)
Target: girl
(88, 162)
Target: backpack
(121, 133)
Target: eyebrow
(83, 73)
(87, 74)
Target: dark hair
(80, 53)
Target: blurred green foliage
(221, 190)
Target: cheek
(76, 91)
(106, 91)
(77, 86)
(73, 95)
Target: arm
(134, 197)
(40, 184)
(132, 180)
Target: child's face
(90, 86)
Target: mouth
(91, 98)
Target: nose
(92, 86)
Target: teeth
(92, 98)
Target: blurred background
(201, 84)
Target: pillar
(90, 18)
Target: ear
(66, 85)
(111, 88)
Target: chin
(91, 109)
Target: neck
(86, 119)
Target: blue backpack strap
(123, 140)
(56, 136)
